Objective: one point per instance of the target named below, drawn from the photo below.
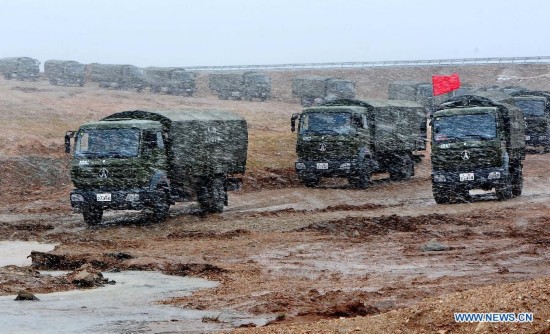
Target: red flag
(445, 83)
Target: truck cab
(477, 143)
(119, 164)
(536, 110)
(332, 141)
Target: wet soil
(293, 254)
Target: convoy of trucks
(478, 142)
(356, 138)
(148, 160)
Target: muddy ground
(313, 260)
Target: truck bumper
(483, 178)
(130, 199)
(331, 168)
(537, 139)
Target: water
(129, 306)
(16, 252)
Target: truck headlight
(493, 175)
(77, 198)
(345, 165)
(132, 197)
(439, 178)
(300, 165)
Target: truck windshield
(326, 123)
(531, 107)
(107, 143)
(465, 127)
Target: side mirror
(68, 136)
(293, 122)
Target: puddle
(129, 306)
(16, 252)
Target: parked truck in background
(20, 68)
(536, 110)
(65, 72)
(477, 143)
(148, 160)
(356, 138)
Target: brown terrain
(323, 260)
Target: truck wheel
(517, 180)
(92, 216)
(504, 191)
(441, 194)
(310, 181)
(160, 209)
(360, 181)
(212, 196)
(403, 168)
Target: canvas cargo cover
(64, 72)
(200, 142)
(403, 90)
(22, 68)
(395, 124)
(226, 81)
(168, 74)
(341, 89)
(310, 86)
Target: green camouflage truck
(356, 138)
(536, 109)
(477, 143)
(148, 160)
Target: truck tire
(310, 181)
(504, 191)
(441, 194)
(402, 169)
(92, 216)
(361, 180)
(212, 196)
(161, 208)
(517, 179)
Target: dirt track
(298, 254)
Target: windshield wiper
(482, 137)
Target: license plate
(527, 137)
(466, 177)
(542, 137)
(103, 197)
(322, 165)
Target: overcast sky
(250, 32)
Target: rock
(434, 246)
(25, 295)
(86, 277)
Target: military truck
(148, 160)
(477, 143)
(65, 72)
(316, 90)
(256, 86)
(20, 68)
(227, 85)
(170, 80)
(356, 138)
(536, 110)
(114, 76)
